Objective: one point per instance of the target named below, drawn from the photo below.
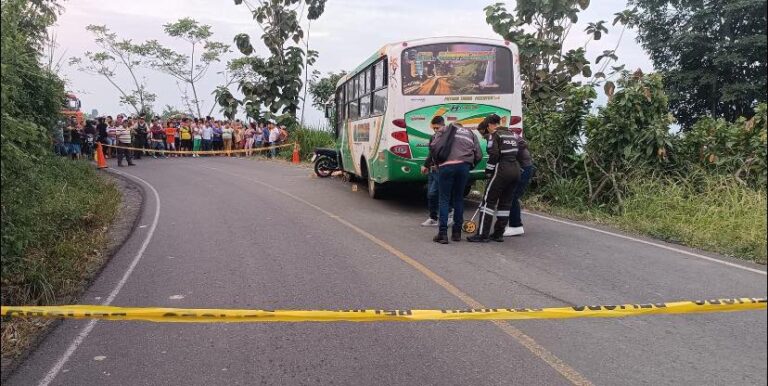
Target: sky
(347, 33)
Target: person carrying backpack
(455, 150)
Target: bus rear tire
(375, 189)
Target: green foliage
(697, 209)
(701, 210)
(186, 68)
(116, 52)
(48, 227)
(324, 88)
(308, 139)
(554, 137)
(737, 149)
(49, 205)
(274, 82)
(31, 95)
(712, 55)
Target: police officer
(502, 173)
(140, 133)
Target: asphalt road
(237, 233)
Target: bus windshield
(457, 69)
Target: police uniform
(503, 173)
(140, 139)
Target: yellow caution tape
(201, 152)
(206, 315)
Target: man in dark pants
(527, 172)
(140, 137)
(456, 150)
(123, 135)
(433, 189)
(503, 173)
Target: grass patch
(712, 213)
(308, 138)
(55, 219)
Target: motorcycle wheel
(324, 167)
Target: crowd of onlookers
(156, 137)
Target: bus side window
(353, 111)
(365, 105)
(379, 102)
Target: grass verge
(713, 214)
(55, 225)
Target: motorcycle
(326, 162)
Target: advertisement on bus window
(457, 69)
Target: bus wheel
(375, 189)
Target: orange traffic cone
(295, 159)
(101, 162)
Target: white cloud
(347, 33)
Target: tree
(116, 53)
(188, 69)
(171, 111)
(31, 98)
(539, 28)
(323, 88)
(277, 82)
(712, 55)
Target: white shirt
(207, 132)
(274, 134)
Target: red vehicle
(71, 109)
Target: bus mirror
(328, 110)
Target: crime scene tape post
(205, 315)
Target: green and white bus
(383, 108)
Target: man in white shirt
(274, 135)
(207, 137)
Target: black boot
(478, 238)
(456, 236)
(441, 238)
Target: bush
(737, 149)
(308, 139)
(53, 219)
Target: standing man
(502, 172)
(456, 151)
(515, 227)
(156, 136)
(123, 134)
(430, 170)
(207, 133)
(274, 137)
(140, 133)
(101, 128)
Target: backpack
(441, 147)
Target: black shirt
(75, 136)
(102, 129)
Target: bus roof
(417, 42)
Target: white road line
(54, 371)
(646, 242)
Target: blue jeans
(452, 180)
(526, 173)
(433, 195)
